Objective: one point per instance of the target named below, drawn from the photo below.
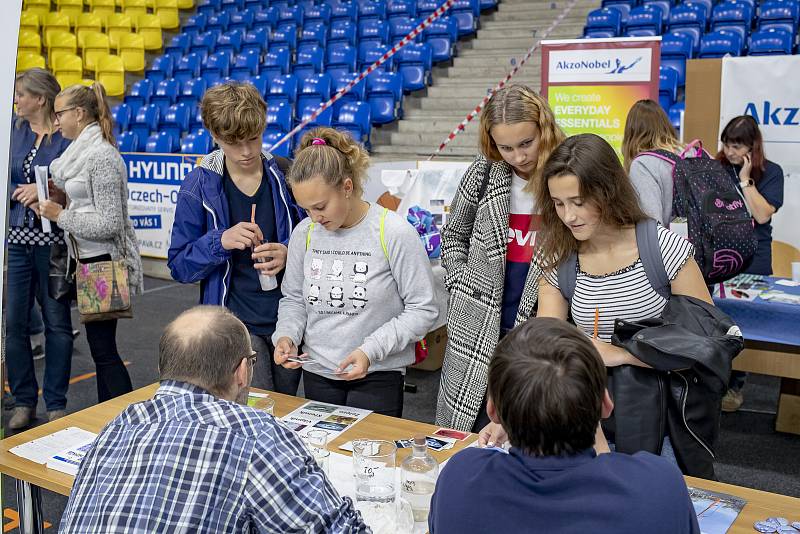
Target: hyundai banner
(153, 184)
(592, 84)
(768, 88)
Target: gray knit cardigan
(107, 180)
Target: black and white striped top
(625, 294)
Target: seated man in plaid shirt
(195, 458)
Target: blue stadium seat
(309, 61)
(732, 16)
(208, 7)
(357, 94)
(175, 120)
(343, 32)
(629, 3)
(256, 39)
(399, 28)
(770, 42)
(666, 7)
(192, 91)
(706, 6)
(720, 44)
(426, 7)
(368, 54)
(441, 35)
(355, 119)
(314, 90)
(165, 94)
(466, 13)
(161, 143)
(488, 4)
(270, 138)
(188, 67)
(218, 22)
(245, 65)
(282, 88)
(178, 46)
(242, 21)
(371, 10)
(195, 24)
(642, 32)
(275, 63)
(266, 18)
(286, 34)
(160, 69)
(122, 114)
(292, 14)
(261, 83)
(231, 42)
(604, 19)
(318, 14)
(195, 119)
(314, 33)
(414, 63)
(675, 112)
(216, 67)
(676, 49)
(145, 121)
(340, 60)
(204, 42)
(598, 34)
(323, 119)
(689, 19)
(198, 142)
(385, 97)
(139, 94)
(279, 117)
(648, 17)
(232, 5)
(341, 11)
(371, 31)
(624, 12)
(401, 10)
(782, 15)
(667, 87)
(128, 142)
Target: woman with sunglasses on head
(93, 175)
(358, 288)
(761, 183)
(35, 141)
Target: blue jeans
(28, 274)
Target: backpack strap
(381, 231)
(665, 155)
(652, 259)
(649, 253)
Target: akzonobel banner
(153, 184)
(591, 84)
(768, 88)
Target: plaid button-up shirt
(187, 461)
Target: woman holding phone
(761, 184)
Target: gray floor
(750, 452)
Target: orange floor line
(75, 379)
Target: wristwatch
(746, 183)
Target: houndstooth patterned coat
(474, 244)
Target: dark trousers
(28, 274)
(267, 374)
(381, 391)
(483, 418)
(113, 379)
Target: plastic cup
(317, 442)
(268, 282)
(374, 467)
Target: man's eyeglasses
(253, 357)
(58, 114)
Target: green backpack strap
(382, 231)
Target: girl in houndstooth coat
(487, 248)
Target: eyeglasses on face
(58, 114)
(253, 357)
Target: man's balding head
(203, 346)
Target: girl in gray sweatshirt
(358, 287)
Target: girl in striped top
(589, 206)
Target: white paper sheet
(331, 418)
(40, 450)
(40, 171)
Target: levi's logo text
(522, 228)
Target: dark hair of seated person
(547, 383)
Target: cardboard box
(437, 341)
(788, 419)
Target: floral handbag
(102, 291)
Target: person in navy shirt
(761, 184)
(547, 388)
(233, 217)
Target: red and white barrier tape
(389, 53)
(474, 113)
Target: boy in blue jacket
(233, 217)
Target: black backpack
(720, 225)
